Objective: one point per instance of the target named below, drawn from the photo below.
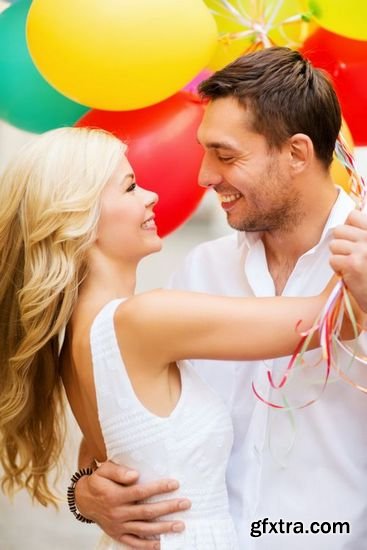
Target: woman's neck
(107, 280)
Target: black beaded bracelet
(71, 494)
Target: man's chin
(244, 226)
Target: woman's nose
(151, 198)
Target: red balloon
(346, 61)
(163, 151)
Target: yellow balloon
(338, 172)
(248, 24)
(341, 17)
(120, 55)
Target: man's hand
(349, 255)
(111, 497)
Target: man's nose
(208, 176)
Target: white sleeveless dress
(191, 445)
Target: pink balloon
(192, 87)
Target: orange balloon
(338, 171)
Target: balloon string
(222, 15)
(258, 27)
(238, 15)
(273, 15)
(358, 188)
(298, 18)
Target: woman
(73, 228)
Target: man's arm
(349, 255)
(111, 497)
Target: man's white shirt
(307, 465)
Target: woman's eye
(131, 187)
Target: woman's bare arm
(175, 325)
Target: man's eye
(131, 187)
(225, 159)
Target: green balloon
(27, 101)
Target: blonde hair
(49, 208)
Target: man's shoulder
(212, 266)
(227, 246)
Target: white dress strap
(113, 388)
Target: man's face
(253, 182)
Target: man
(295, 476)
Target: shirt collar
(343, 205)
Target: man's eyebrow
(219, 145)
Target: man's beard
(281, 218)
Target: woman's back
(192, 444)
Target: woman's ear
(301, 152)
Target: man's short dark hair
(285, 96)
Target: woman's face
(126, 228)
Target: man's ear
(301, 152)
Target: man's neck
(284, 247)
